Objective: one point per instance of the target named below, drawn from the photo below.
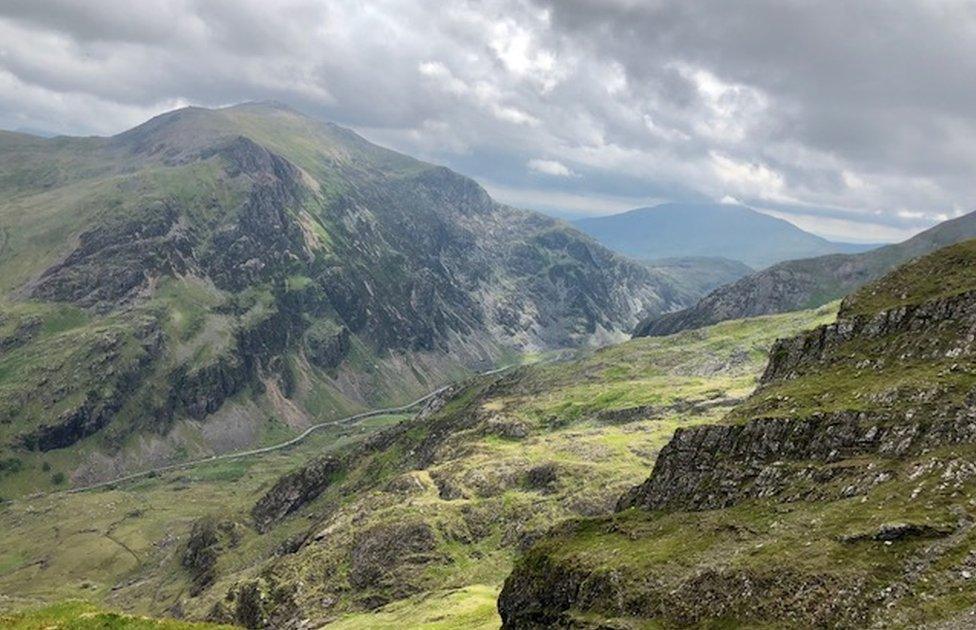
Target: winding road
(265, 449)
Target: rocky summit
(839, 494)
(217, 279)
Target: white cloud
(549, 167)
(555, 201)
(845, 229)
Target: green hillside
(807, 282)
(837, 495)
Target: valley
(218, 280)
(466, 486)
(258, 372)
(518, 315)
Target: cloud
(855, 112)
(549, 167)
(566, 204)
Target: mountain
(838, 495)
(215, 279)
(706, 229)
(799, 284)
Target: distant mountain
(208, 270)
(800, 284)
(702, 229)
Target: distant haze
(717, 230)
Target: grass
(78, 615)
(944, 273)
(471, 607)
(803, 540)
(816, 561)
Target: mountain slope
(391, 520)
(168, 290)
(701, 229)
(837, 495)
(799, 284)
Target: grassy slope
(82, 545)
(78, 615)
(780, 545)
(926, 278)
(69, 546)
(55, 190)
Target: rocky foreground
(838, 495)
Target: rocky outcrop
(22, 333)
(879, 406)
(380, 552)
(209, 537)
(795, 458)
(202, 391)
(119, 376)
(327, 346)
(544, 593)
(295, 490)
(931, 330)
(114, 263)
(265, 238)
(814, 458)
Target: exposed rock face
(114, 263)
(125, 362)
(25, 330)
(379, 551)
(542, 594)
(931, 330)
(294, 490)
(799, 284)
(710, 467)
(266, 236)
(208, 538)
(327, 347)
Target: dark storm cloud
(854, 118)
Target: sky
(855, 120)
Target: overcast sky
(856, 120)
